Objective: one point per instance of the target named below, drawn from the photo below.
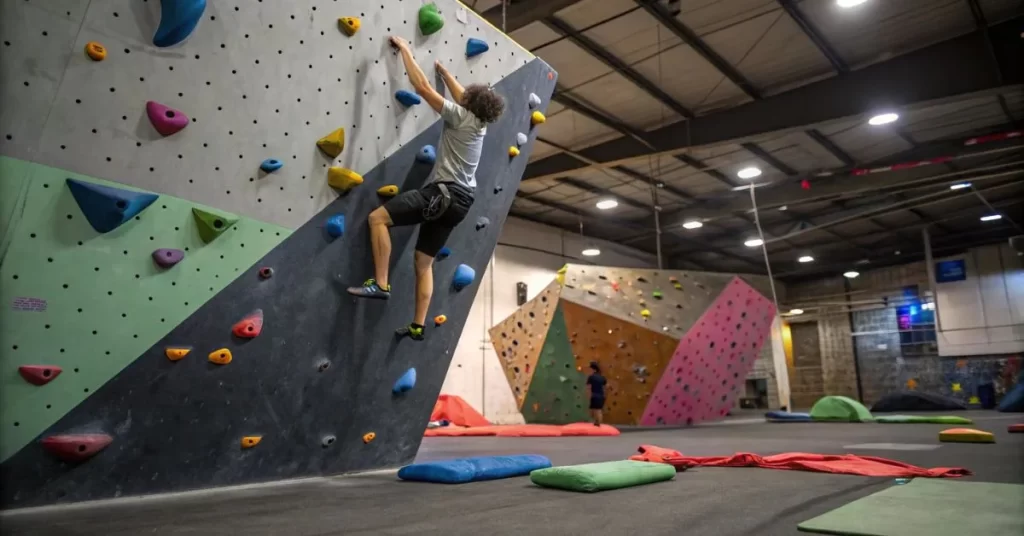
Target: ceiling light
(784, 207)
(693, 225)
(753, 242)
(849, 3)
(883, 119)
(992, 217)
(591, 251)
(748, 173)
(806, 258)
(851, 274)
(796, 311)
(606, 204)
(960, 186)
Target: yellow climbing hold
(369, 436)
(513, 151)
(343, 179)
(957, 388)
(678, 285)
(174, 353)
(220, 357)
(561, 274)
(349, 25)
(646, 313)
(95, 51)
(974, 400)
(249, 442)
(333, 143)
(387, 191)
(537, 118)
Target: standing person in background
(596, 384)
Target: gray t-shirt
(461, 143)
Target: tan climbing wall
(631, 357)
(519, 338)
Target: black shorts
(412, 208)
(597, 402)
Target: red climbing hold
(250, 326)
(76, 448)
(39, 374)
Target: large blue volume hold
(177, 20)
(462, 470)
(406, 382)
(475, 47)
(407, 98)
(105, 207)
(464, 276)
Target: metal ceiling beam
(519, 13)
(982, 25)
(769, 158)
(831, 147)
(941, 71)
(812, 33)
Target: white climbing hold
(534, 100)
(521, 139)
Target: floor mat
(916, 419)
(928, 508)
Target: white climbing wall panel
(259, 78)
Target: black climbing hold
(498, 189)
(327, 441)
(266, 272)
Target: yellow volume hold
(343, 179)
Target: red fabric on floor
(524, 430)
(457, 411)
(842, 464)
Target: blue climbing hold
(464, 276)
(475, 47)
(177, 20)
(444, 253)
(406, 382)
(106, 207)
(427, 155)
(271, 165)
(336, 225)
(407, 98)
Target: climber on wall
(445, 199)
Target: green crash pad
(928, 507)
(592, 477)
(937, 419)
(840, 409)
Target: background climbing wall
(557, 391)
(519, 338)
(708, 367)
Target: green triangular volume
(211, 225)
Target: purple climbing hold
(166, 120)
(166, 257)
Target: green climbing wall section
(558, 392)
(91, 303)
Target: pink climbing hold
(166, 257)
(77, 447)
(39, 374)
(166, 120)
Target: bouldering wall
(156, 392)
(557, 391)
(519, 338)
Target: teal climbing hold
(271, 165)
(444, 253)
(430, 19)
(464, 277)
(406, 382)
(427, 155)
(407, 98)
(475, 47)
(177, 20)
(107, 207)
(336, 225)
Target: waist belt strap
(438, 204)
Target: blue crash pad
(1013, 402)
(462, 470)
(785, 416)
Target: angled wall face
(557, 394)
(518, 339)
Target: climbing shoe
(371, 289)
(413, 331)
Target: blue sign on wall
(949, 271)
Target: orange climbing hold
(220, 357)
(440, 319)
(250, 326)
(369, 436)
(176, 353)
(249, 442)
(95, 51)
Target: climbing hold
(464, 276)
(534, 100)
(369, 436)
(249, 442)
(106, 207)
(440, 319)
(220, 357)
(513, 151)
(166, 257)
(521, 139)
(407, 98)
(475, 47)
(430, 19)
(212, 225)
(343, 179)
(336, 225)
(563, 379)
(427, 155)
(560, 274)
(76, 447)
(444, 253)
(323, 365)
(656, 294)
(349, 25)
(327, 441)
(482, 222)
(498, 189)
(266, 272)
(271, 165)
(165, 120)
(677, 285)
(176, 353)
(95, 51)
(250, 326)
(333, 143)
(537, 118)
(387, 191)
(39, 374)
(177, 20)
(646, 313)
(406, 382)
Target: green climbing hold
(656, 294)
(431, 20)
(212, 225)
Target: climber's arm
(416, 77)
(454, 86)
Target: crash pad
(1013, 402)
(461, 470)
(1015, 428)
(936, 419)
(457, 411)
(840, 409)
(916, 401)
(966, 435)
(785, 416)
(603, 476)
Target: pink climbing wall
(712, 360)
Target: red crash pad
(454, 409)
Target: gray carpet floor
(723, 501)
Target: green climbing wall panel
(93, 303)
(558, 392)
